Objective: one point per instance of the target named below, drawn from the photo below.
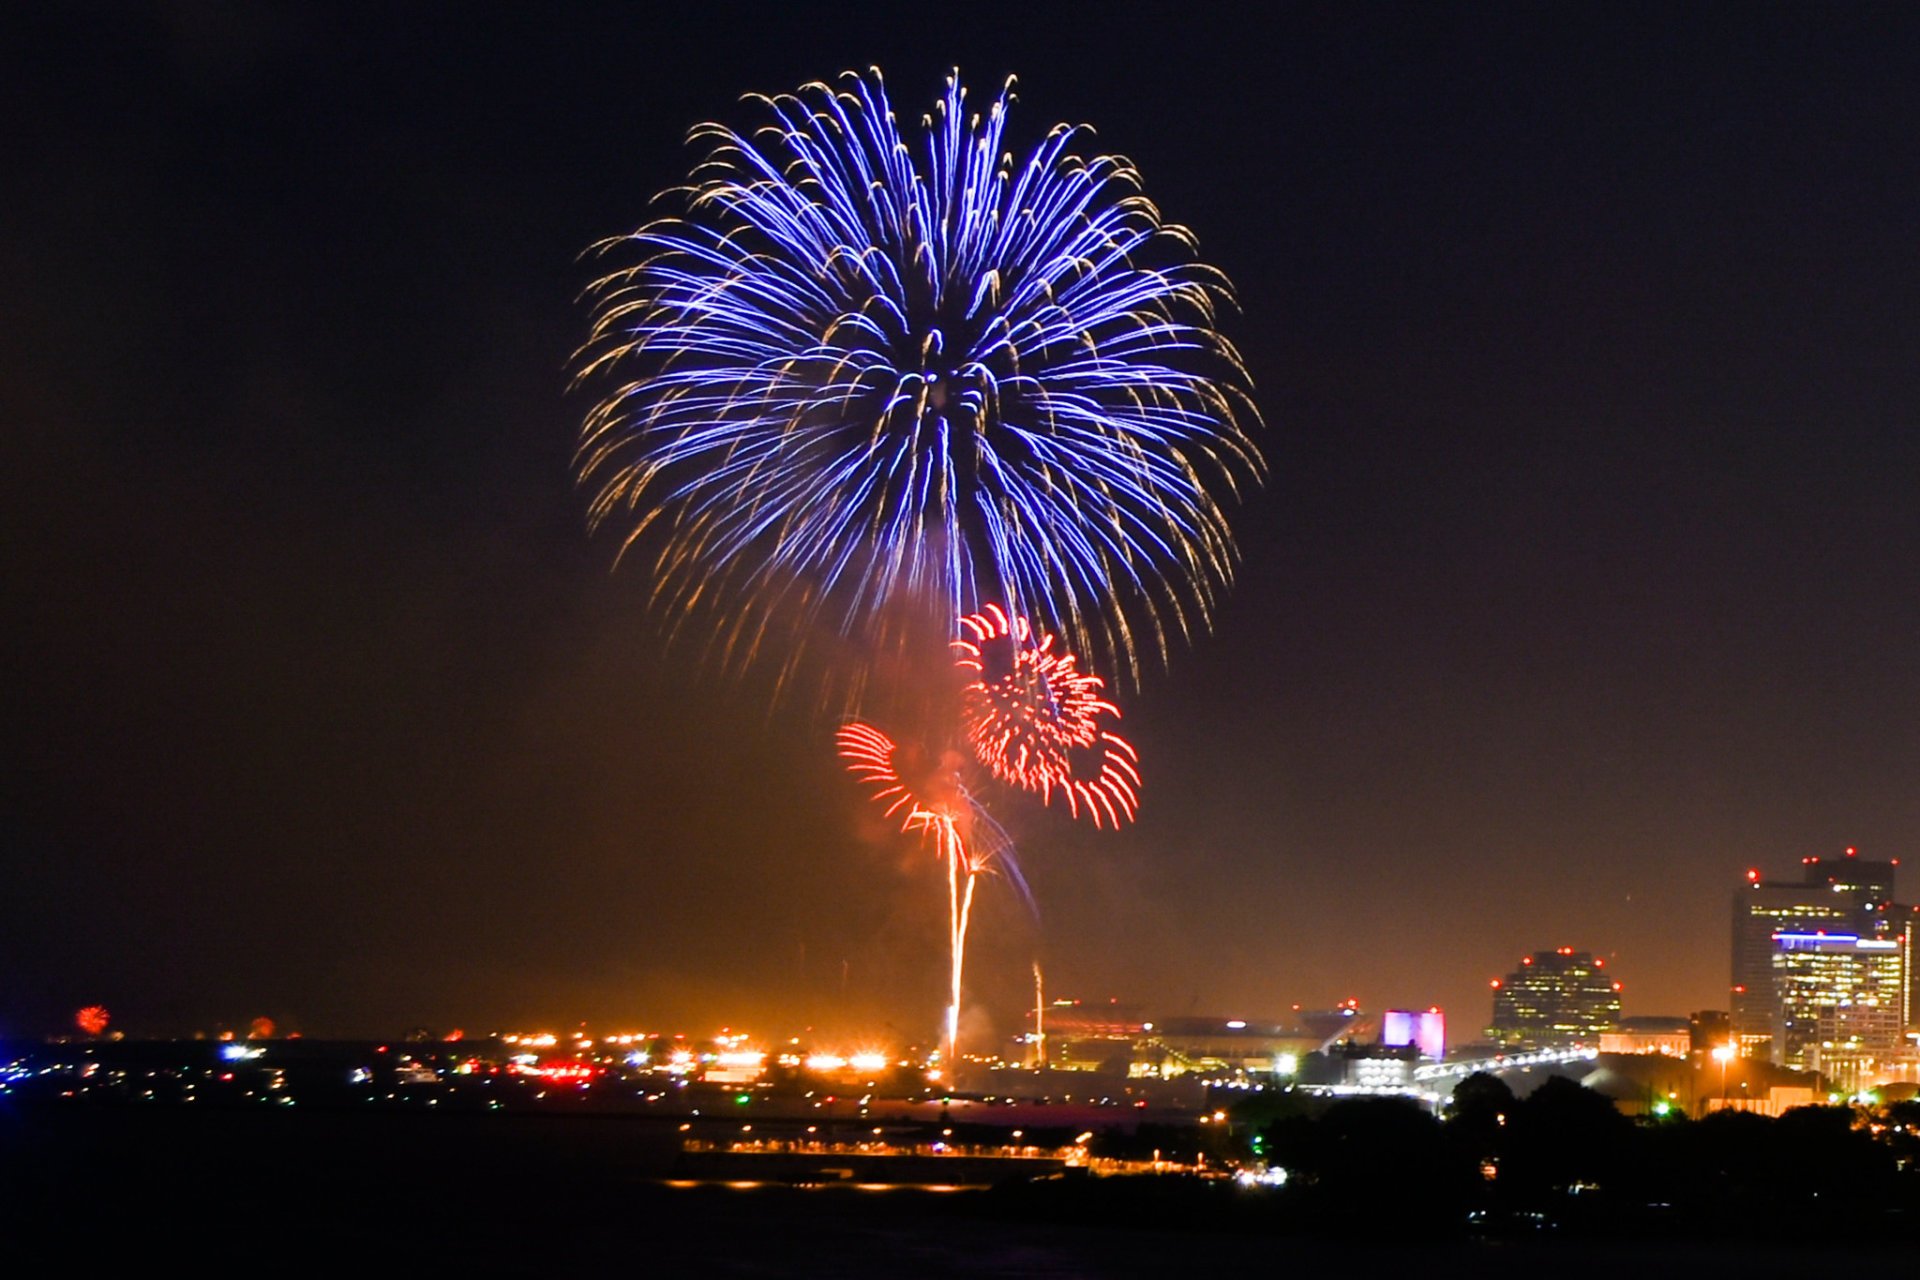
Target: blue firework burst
(860, 370)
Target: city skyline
(1527, 1002)
(1581, 584)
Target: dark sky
(1585, 580)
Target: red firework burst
(1034, 718)
(93, 1019)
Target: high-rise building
(1554, 999)
(1822, 964)
(1839, 995)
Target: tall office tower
(1841, 999)
(1554, 999)
(1827, 942)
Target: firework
(1034, 718)
(965, 838)
(864, 369)
(863, 380)
(93, 1019)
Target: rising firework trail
(864, 371)
(965, 838)
(1029, 713)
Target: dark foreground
(486, 1195)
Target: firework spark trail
(960, 895)
(855, 370)
(871, 756)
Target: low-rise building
(1670, 1036)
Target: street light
(1723, 1053)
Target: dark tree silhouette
(1564, 1137)
(1382, 1162)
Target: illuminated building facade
(1841, 998)
(1553, 1000)
(1425, 1030)
(1217, 1045)
(1091, 1037)
(1672, 1037)
(1376, 1066)
(1822, 962)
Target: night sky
(1585, 580)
